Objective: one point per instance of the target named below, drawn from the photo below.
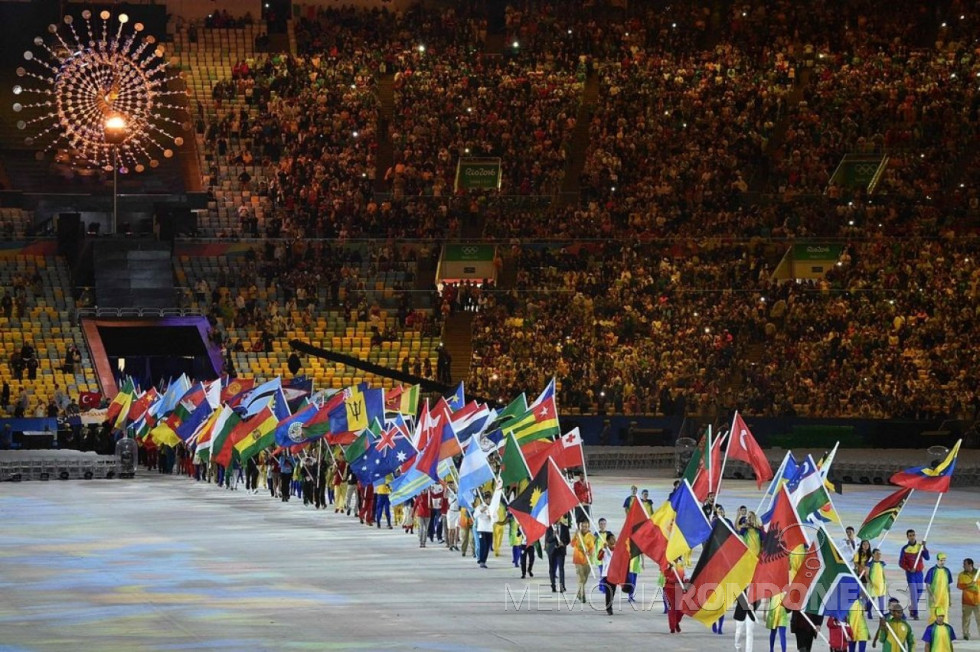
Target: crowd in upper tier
(707, 142)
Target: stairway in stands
(579, 143)
(457, 339)
(385, 155)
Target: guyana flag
(539, 422)
(513, 466)
(883, 515)
(724, 570)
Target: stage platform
(66, 464)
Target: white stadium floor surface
(166, 563)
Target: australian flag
(384, 456)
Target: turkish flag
(89, 400)
(743, 446)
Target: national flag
(291, 430)
(807, 491)
(929, 478)
(388, 452)
(403, 400)
(709, 476)
(824, 465)
(359, 447)
(723, 571)
(223, 451)
(641, 535)
(318, 425)
(423, 472)
(397, 421)
(787, 471)
(359, 408)
(89, 400)
(175, 391)
(296, 389)
(824, 584)
(457, 399)
(119, 407)
(566, 451)
(234, 389)
(449, 446)
(212, 393)
(514, 409)
(139, 406)
(189, 402)
(261, 437)
(411, 484)
(743, 446)
(545, 500)
(471, 423)
(201, 440)
(188, 427)
(784, 542)
(226, 420)
(513, 467)
(163, 434)
(257, 399)
(691, 526)
(539, 422)
(548, 393)
(569, 453)
(474, 472)
(883, 515)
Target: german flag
(724, 570)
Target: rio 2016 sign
(478, 174)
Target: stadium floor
(164, 563)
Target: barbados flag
(929, 478)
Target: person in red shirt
(673, 592)
(583, 491)
(840, 634)
(423, 512)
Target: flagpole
(815, 628)
(928, 528)
(977, 574)
(319, 461)
(706, 462)
(864, 590)
(834, 507)
(776, 478)
(724, 461)
(905, 502)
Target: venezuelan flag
(928, 478)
